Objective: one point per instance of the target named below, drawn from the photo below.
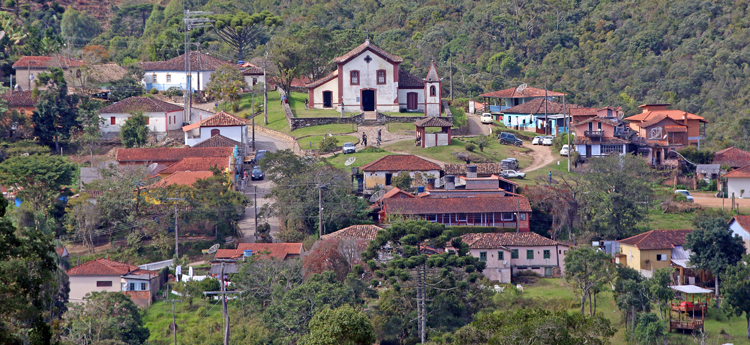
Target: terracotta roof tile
(364, 47)
(740, 172)
(251, 69)
(197, 164)
(515, 239)
(743, 221)
(170, 154)
(279, 251)
(408, 81)
(46, 62)
(434, 121)
(218, 141)
(583, 112)
(676, 115)
(182, 178)
(220, 119)
(144, 104)
(482, 169)
(355, 232)
(658, 239)
(323, 80)
(456, 205)
(528, 92)
(198, 62)
(599, 119)
(400, 163)
(19, 99)
(733, 157)
(396, 191)
(537, 106)
(102, 266)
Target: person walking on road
(379, 134)
(364, 139)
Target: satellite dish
(350, 161)
(521, 87)
(213, 249)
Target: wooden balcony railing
(594, 134)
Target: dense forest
(693, 54)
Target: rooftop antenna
(367, 32)
(521, 87)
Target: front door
(388, 177)
(368, 100)
(327, 99)
(548, 271)
(588, 151)
(411, 101)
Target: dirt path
(476, 127)
(542, 156)
(707, 199)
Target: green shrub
(329, 144)
(679, 197)
(173, 91)
(470, 147)
(680, 186)
(153, 91)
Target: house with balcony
(540, 115)
(653, 250)
(507, 254)
(496, 102)
(163, 75)
(666, 129)
(595, 137)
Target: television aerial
(350, 161)
(521, 87)
(213, 249)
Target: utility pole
(451, 67)
(320, 212)
(223, 294)
(255, 211)
(253, 115)
(265, 95)
(567, 129)
(546, 102)
(174, 325)
(191, 23)
(176, 227)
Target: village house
(107, 275)
(381, 171)
(496, 102)
(740, 226)
(661, 131)
(369, 79)
(476, 177)
(163, 75)
(738, 182)
(160, 158)
(253, 74)
(277, 251)
(508, 212)
(195, 164)
(20, 101)
(218, 141)
(221, 123)
(182, 178)
(732, 157)
(652, 250)
(595, 137)
(539, 115)
(507, 254)
(161, 117)
(28, 68)
(360, 232)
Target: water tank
(420, 189)
(247, 252)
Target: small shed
(688, 315)
(443, 138)
(708, 171)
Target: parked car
(512, 174)
(349, 148)
(547, 141)
(509, 164)
(537, 140)
(256, 174)
(487, 118)
(685, 193)
(258, 156)
(565, 151)
(509, 139)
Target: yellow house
(651, 250)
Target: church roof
(323, 80)
(368, 46)
(433, 121)
(406, 80)
(432, 75)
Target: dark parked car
(256, 174)
(258, 156)
(509, 139)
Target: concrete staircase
(371, 115)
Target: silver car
(349, 148)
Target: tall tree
(713, 246)
(243, 31)
(587, 269)
(737, 290)
(38, 179)
(106, 316)
(88, 133)
(343, 325)
(56, 111)
(135, 131)
(320, 48)
(226, 84)
(79, 27)
(289, 57)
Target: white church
(369, 79)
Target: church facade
(369, 79)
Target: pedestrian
(364, 139)
(305, 103)
(379, 135)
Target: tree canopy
(243, 31)
(38, 179)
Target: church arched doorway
(368, 100)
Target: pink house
(597, 130)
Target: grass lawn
(320, 130)
(659, 220)
(313, 142)
(557, 170)
(276, 118)
(494, 151)
(159, 315)
(361, 158)
(297, 104)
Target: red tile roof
(323, 80)
(528, 92)
(19, 99)
(198, 62)
(482, 169)
(515, 239)
(733, 157)
(46, 62)
(408, 81)
(102, 267)
(743, 221)
(218, 141)
(740, 172)
(279, 251)
(355, 232)
(599, 119)
(144, 104)
(220, 119)
(170, 154)
(396, 191)
(182, 178)
(400, 163)
(583, 111)
(364, 47)
(456, 205)
(538, 106)
(197, 164)
(677, 115)
(434, 121)
(658, 239)
(432, 75)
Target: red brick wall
(141, 298)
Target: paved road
(476, 127)
(247, 225)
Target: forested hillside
(691, 53)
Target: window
(547, 254)
(381, 77)
(514, 253)
(354, 77)
(611, 148)
(215, 131)
(255, 81)
(169, 118)
(132, 287)
(432, 90)
(103, 283)
(462, 217)
(661, 257)
(78, 73)
(523, 216)
(431, 218)
(112, 120)
(144, 286)
(148, 120)
(169, 78)
(153, 78)
(530, 254)
(501, 255)
(507, 215)
(483, 256)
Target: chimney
(430, 183)
(471, 171)
(450, 182)
(684, 118)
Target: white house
(738, 182)
(112, 276)
(161, 116)
(381, 171)
(253, 74)
(222, 123)
(369, 79)
(171, 73)
(740, 225)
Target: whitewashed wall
(232, 132)
(331, 85)
(158, 122)
(402, 99)
(385, 94)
